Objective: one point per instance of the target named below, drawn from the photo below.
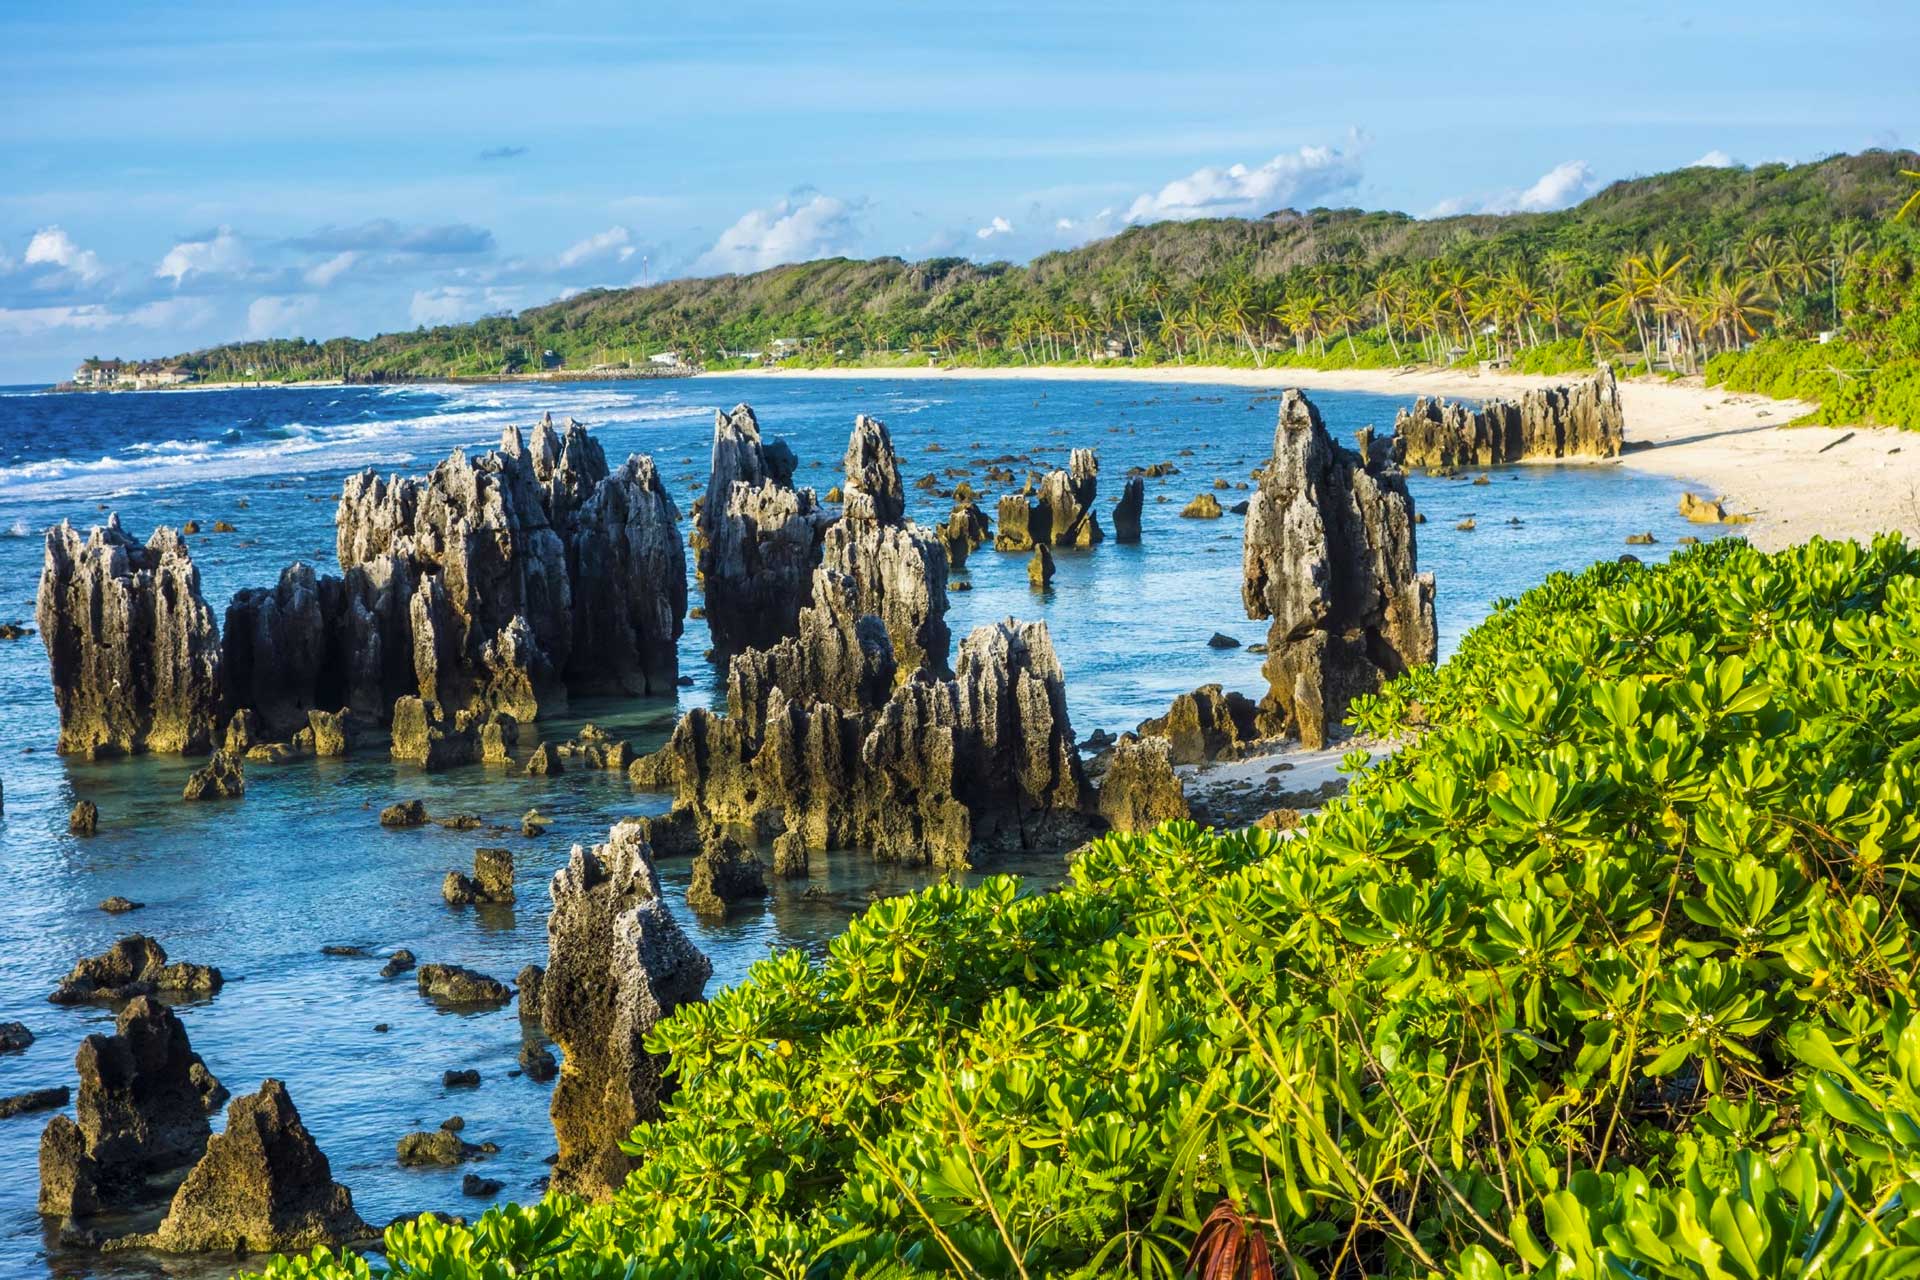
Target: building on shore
(126, 375)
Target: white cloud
(51, 246)
(998, 227)
(1565, 184)
(222, 253)
(1304, 176)
(452, 304)
(1558, 187)
(794, 230)
(93, 317)
(1715, 159)
(322, 274)
(614, 241)
(277, 317)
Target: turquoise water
(259, 886)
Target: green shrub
(1607, 972)
(1849, 385)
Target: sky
(174, 176)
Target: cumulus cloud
(277, 317)
(51, 246)
(219, 253)
(322, 274)
(998, 227)
(383, 235)
(615, 243)
(1305, 176)
(452, 304)
(804, 226)
(1715, 159)
(503, 153)
(1565, 184)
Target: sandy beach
(1796, 482)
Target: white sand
(1733, 447)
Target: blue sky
(177, 175)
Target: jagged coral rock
(873, 490)
(1140, 789)
(133, 648)
(617, 964)
(141, 1113)
(221, 778)
(758, 537)
(1126, 512)
(263, 1186)
(1330, 558)
(1582, 420)
(1207, 724)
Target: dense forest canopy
(1668, 271)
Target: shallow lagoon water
(258, 886)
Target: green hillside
(1670, 271)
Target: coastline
(1795, 482)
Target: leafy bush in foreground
(1608, 974)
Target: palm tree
(1729, 306)
(1912, 205)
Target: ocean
(258, 887)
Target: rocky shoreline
(474, 601)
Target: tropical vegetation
(1681, 273)
(1608, 972)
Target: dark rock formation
(629, 573)
(1063, 515)
(758, 537)
(527, 985)
(1126, 512)
(276, 653)
(983, 761)
(219, 779)
(263, 1186)
(21, 1104)
(475, 1185)
(117, 905)
(84, 819)
(14, 1036)
(1330, 558)
(538, 1063)
(491, 881)
(1140, 790)
(790, 855)
(1582, 420)
(1040, 568)
(545, 761)
(460, 1079)
(134, 651)
(449, 984)
(136, 965)
(726, 872)
(141, 1114)
(617, 964)
(398, 963)
(1207, 724)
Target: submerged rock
(726, 872)
(404, 813)
(398, 963)
(133, 647)
(263, 1186)
(1581, 420)
(617, 964)
(220, 779)
(1330, 558)
(136, 965)
(21, 1104)
(491, 881)
(1204, 507)
(527, 986)
(1040, 568)
(429, 1147)
(84, 819)
(141, 1114)
(450, 984)
(117, 905)
(14, 1037)
(1140, 789)
(963, 533)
